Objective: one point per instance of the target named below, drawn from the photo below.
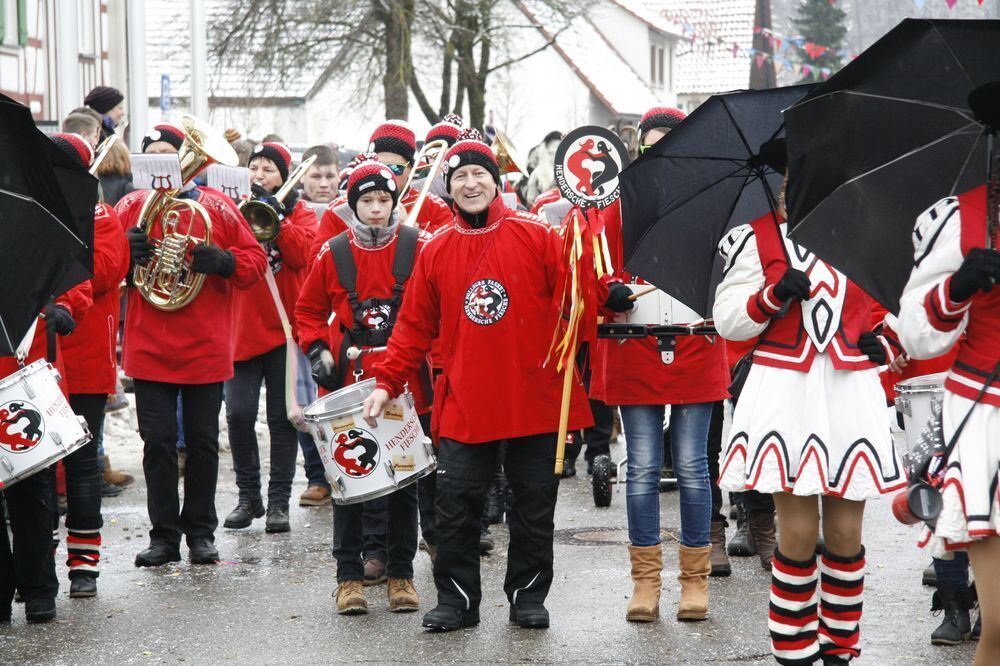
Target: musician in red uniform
(259, 356)
(374, 259)
(91, 370)
(186, 352)
(486, 286)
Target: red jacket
(323, 295)
(258, 327)
(632, 372)
(89, 353)
(78, 301)
(193, 345)
(434, 215)
(489, 294)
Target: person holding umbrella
(951, 298)
(810, 423)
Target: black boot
(277, 520)
(486, 544)
(157, 555)
(495, 498)
(40, 610)
(449, 618)
(83, 587)
(244, 513)
(530, 615)
(955, 627)
(741, 545)
(201, 550)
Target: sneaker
(374, 572)
(350, 598)
(315, 495)
(402, 595)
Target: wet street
(269, 600)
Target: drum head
(344, 401)
(922, 384)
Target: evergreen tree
(821, 23)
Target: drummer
(376, 256)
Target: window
(13, 23)
(87, 22)
(652, 64)
(659, 64)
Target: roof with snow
(651, 13)
(706, 62)
(593, 58)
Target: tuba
(264, 221)
(167, 281)
(506, 155)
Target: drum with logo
(914, 400)
(363, 462)
(37, 425)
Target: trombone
(264, 220)
(429, 159)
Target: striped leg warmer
(792, 618)
(83, 552)
(842, 585)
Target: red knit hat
(76, 147)
(661, 117)
(447, 130)
(370, 177)
(394, 136)
(170, 133)
(470, 149)
(277, 153)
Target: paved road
(269, 601)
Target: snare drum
(914, 398)
(37, 425)
(364, 463)
(653, 309)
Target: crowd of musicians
(463, 303)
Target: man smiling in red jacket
(486, 286)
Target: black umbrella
(46, 231)
(704, 178)
(882, 140)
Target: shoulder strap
(406, 252)
(343, 262)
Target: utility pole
(138, 99)
(199, 60)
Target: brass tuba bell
(167, 281)
(264, 221)
(506, 155)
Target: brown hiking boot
(647, 563)
(315, 496)
(695, 568)
(761, 529)
(719, 560)
(351, 598)
(374, 572)
(114, 477)
(402, 596)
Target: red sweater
(323, 295)
(489, 294)
(258, 327)
(632, 372)
(193, 345)
(89, 353)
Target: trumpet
(167, 281)
(264, 220)
(429, 159)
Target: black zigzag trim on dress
(833, 480)
(993, 493)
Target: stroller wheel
(601, 481)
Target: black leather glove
(793, 284)
(213, 259)
(265, 196)
(324, 370)
(618, 298)
(140, 249)
(872, 347)
(979, 272)
(58, 320)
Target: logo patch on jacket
(376, 318)
(21, 426)
(486, 302)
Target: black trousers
(28, 564)
(83, 490)
(156, 408)
(400, 536)
(463, 479)
(242, 401)
(714, 450)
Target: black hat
(370, 177)
(168, 133)
(277, 153)
(660, 117)
(103, 98)
(470, 149)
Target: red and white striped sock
(842, 586)
(792, 617)
(83, 552)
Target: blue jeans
(689, 425)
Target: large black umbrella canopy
(882, 140)
(704, 178)
(46, 231)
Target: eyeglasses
(396, 168)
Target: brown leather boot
(351, 598)
(647, 563)
(761, 529)
(315, 496)
(719, 560)
(402, 596)
(114, 477)
(695, 568)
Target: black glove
(324, 372)
(213, 259)
(793, 284)
(618, 298)
(265, 196)
(979, 272)
(58, 320)
(872, 347)
(140, 249)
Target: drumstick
(354, 353)
(642, 293)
